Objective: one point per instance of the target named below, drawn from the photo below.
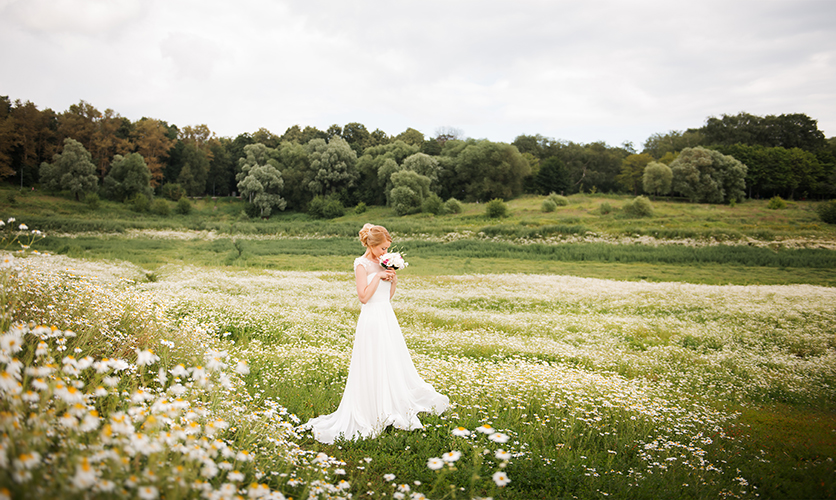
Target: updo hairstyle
(372, 236)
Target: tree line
(83, 150)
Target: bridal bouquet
(393, 260)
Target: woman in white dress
(383, 388)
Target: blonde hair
(372, 236)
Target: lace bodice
(370, 265)
(372, 268)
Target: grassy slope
(673, 220)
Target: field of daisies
(191, 383)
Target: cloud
(85, 17)
(193, 56)
(584, 71)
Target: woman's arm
(365, 290)
(393, 279)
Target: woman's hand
(389, 275)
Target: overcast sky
(583, 71)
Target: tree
(110, 138)
(153, 144)
(659, 145)
(708, 176)
(482, 170)
(332, 166)
(632, 170)
(378, 138)
(551, 177)
(195, 170)
(198, 136)
(262, 186)
(221, 167)
(6, 137)
(72, 170)
(260, 180)
(294, 165)
(78, 122)
(267, 138)
(127, 177)
(788, 131)
(408, 192)
(657, 178)
(423, 164)
(444, 134)
(357, 136)
(411, 136)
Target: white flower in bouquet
(393, 260)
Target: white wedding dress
(383, 388)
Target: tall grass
(591, 388)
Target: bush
(560, 201)
(184, 206)
(172, 191)
(404, 200)
(453, 206)
(640, 206)
(360, 208)
(326, 208)
(160, 207)
(827, 212)
(140, 203)
(776, 203)
(252, 210)
(433, 204)
(11, 198)
(605, 208)
(496, 208)
(548, 206)
(92, 201)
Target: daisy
(461, 432)
(435, 463)
(498, 437)
(451, 456)
(500, 478)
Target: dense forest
(84, 151)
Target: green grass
(673, 219)
(709, 265)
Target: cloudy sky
(584, 71)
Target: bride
(383, 388)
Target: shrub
(326, 208)
(140, 203)
(827, 212)
(605, 208)
(11, 198)
(360, 208)
(252, 210)
(496, 208)
(92, 201)
(184, 206)
(548, 206)
(640, 206)
(160, 207)
(433, 204)
(453, 206)
(405, 200)
(776, 203)
(560, 201)
(172, 191)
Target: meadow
(630, 359)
